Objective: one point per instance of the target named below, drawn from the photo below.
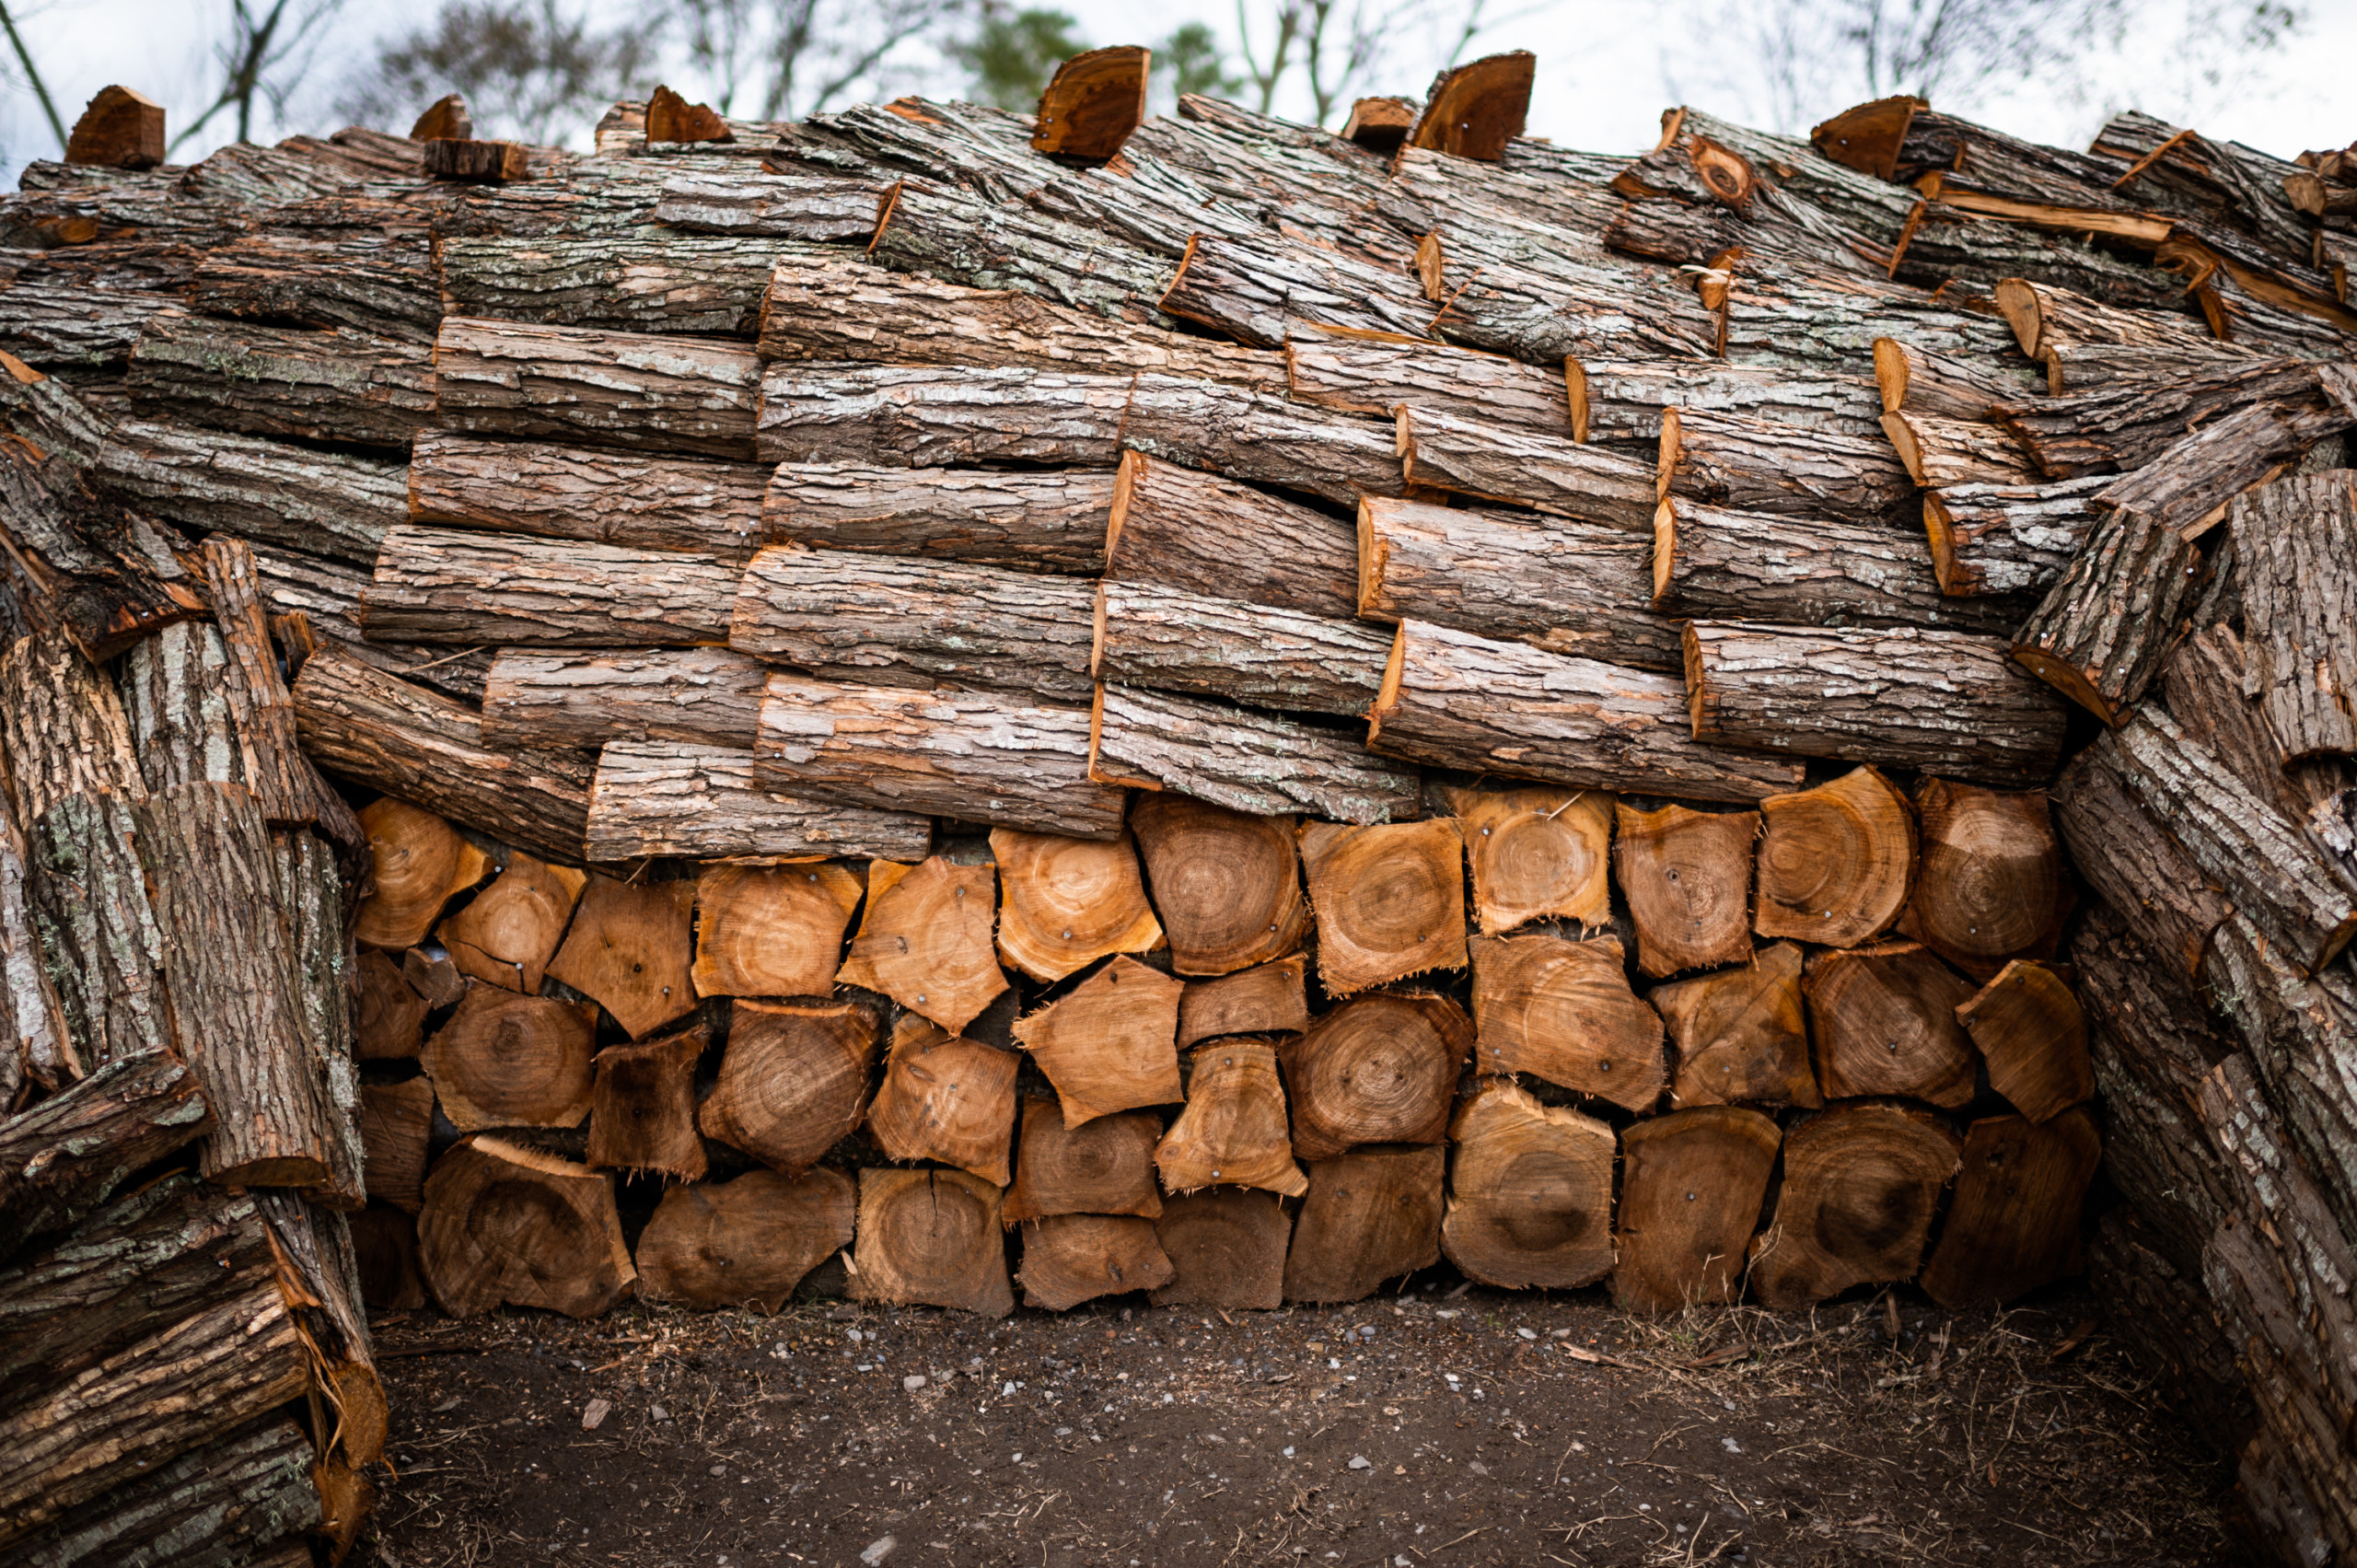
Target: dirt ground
(1439, 1425)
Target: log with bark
(771, 930)
(1380, 1069)
(1861, 1185)
(695, 697)
(1567, 586)
(1026, 520)
(1256, 288)
(643, 1107)
(2297, 1030)
(1530, 1191)
(2204, 685)
(931, 1238)
(1941, 452)
(503, 1060)
(684, 396)
(1691, 1186)
(36, 1040)
(1367, 1216)
(1067, 902)
(748, 1241)
(2294, 542)
(1375, 373)
(1740, 1034)
(1757, 465)
(1884, 1020)
(968, 755)
(321, 503)
(1536, 854)
(79, 567)
(1103, 1167)
(711, 285)
(2008, 540)
(2013, 1224)
(1524, 467)
(247, 1497)
(1243, 759)
(456, 585)
(1623, 400)
(1562, 1011)
(628, 948)
(924, 939)
(1176, 528)
(1687, 877)
(624, 499)
(1945, 702)
(65, 1156)
(507, 934)
(963, 236)
(338, 386)
(1226, 1247)
(506, 1223)
(1837, 863)
(890, 622)
(1147, 635)
(1942, 386)
(1232, 1129)
(778, 206)
(794, 1080)
(2188, 487)
(1389, 900)
(1450, 699)
(1108, 1044)
(375, 280)
(2119, 429)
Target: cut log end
(1092, 103)
(119, 129)
(1474, 111)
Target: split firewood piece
(1379, 1070)
(924, 939)
(389, 1016)
(420, 863)
(2014, 1222)
(244, 1487)
(1092, 104)
(478, 163)
(1245, 759)
(670, 118)
(2294, 544)
(1369, 1217)
(628, 950)
(2131, 865)
(1900, 697)
(1105, 1166)
(1562, 1011)
(1227, 884)
(36, 1041)
(643, 1107)
(1069, 1259)
(1941, 452)
(662, 798)
(1597, 485)
(1757, 465)
(1691, 1183)
(1861, 1185)
(2029, 1029)
(1473, 110)
(1741, 1034)
(2187, 488)
(945, 1099)
(119, 129)
(317, 1275)
(1453, 700)
(1884, 1020)
(1996, 539)
(793, 1081)
(1226, 1247)
(396, 1120)
(1837, 863)
(505, 1223)
(1990, 886)
(445, 119)
(1148, 634)
(1529, 1192)
(1538, 854)
(1068, 902)
(510, 931)
(66, 1155)
(1389, 900)
(436, 980)
(1233, 1130)
(969, 755)
(931, 1238)
(1210, 535)
(384, 1249)
(746, 1242)
(1109, 1043)
(1381, 126)
(2099, 635)
(1267, 999)
(508, 1060)
(771, 930)
(2202, 686)
(1687, 875)
(683, 696)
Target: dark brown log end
(1475, 110)
(1226, 1247)
(479, 163)
(1867, 138)
(748, 1242)
(931, 1238)
(1367, 1217)
(1380, 125)
(670, 118)
(1690, 1189)
(1530, 1191)
(1070, 1258)
(120, 129)
(446, 120)
(1092, 103)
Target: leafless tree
(1336, 50)
(268, 52)
(778, 58)
(31, 73)
(527, 68)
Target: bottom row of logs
(1711, 1200)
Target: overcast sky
(1605, 70)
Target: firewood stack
(1099, 704)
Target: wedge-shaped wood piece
(388, 1017)
(643, 1107)
(1183, 528)
(1837, 863)
(1369, 1217)
(1381, 1069)
(1105, 1166)
(680, 696)
(1562, 1011)
(1108, 1044)
(436, 980)
(793, 1081)
(1226, 1247)
(624, 499)
(1691, 1183)
(1740, 1034)
(1522, 468)
(1381, 125)
(396, 1121)
(1227, 884)
(420, 863)
(2014, 1224)
(945, 1099)
(745, 1242)
(924, 939)
(931, 1238)
(1069, 1259)
(1091, 105)
(1245, 759)
(1538, 854)
(1529, 1192)
(505, 1225)
(1268, 999)
(2294, 543)
(1944, 701)
(660, 798)
(1068, 902)
(1391, 901)
(1233, 1130)
(1687, 875)
(1473, 110)
(771, 930)
(629, 949)
(1884, 1020)
(2029, 1027)
(64, 1157)
(1758, 465)
(1454, 700)
(1861, 1185)
(509, 932)
(969, 755)
(119, 129)
(1990, 886)
(502, 1060)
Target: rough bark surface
(1175, 527)
(657, 797)
(678, 696)
(1375, 373)
(2295, 549)
(340, 386)
(1524, 467)
(454, 586)
(1243, 759)
(1024, 520)
(1999, 540)
(711, 284)
(623, 499)
(1711, 563)
(1623, 400)
(1173, 639)
(65, 1156)
(687, 396)
(1757, 465)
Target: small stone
(594, 1413)
(912, 1382)
(1731, 1446)
(717, 1470)
(658, 1412)
(1528, 1333)
(1477, 1467)
(1360, 1462)
(877, 1551)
